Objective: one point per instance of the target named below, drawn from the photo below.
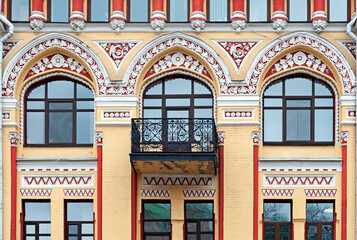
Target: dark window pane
(338, 10)
(327, 229)
(35, 105)
(73, 238)
(269, 236)
(37, 92)
(61, 106)
(298, 87)
(218, 10)
(99, 10)
(60, 89)
(200, 88)
(177, 102)
(326, 236)
(157, 238)
(87, 228)
(298, 125)
(154, 89)
(258, 10)
(30, 229)
(45, 228)
(312, 229)
(284, 236)
(206, 236)
(20, 10)
(85, 123)
(199, 210)
(319, 212)
(79, 211)
(73, 229)
(203, 113)
(83, 91)
(206, 226)
(59, 10)
(273, 125)
(191, 227)
(85, 105)
(157, 211)
(297, 10)
(60, 127)
(178, 10)
(178, 86)
(269, 229)
(152, 102)
(191, 236)
(324, 125)
(37, 211)
(277, 212)
(322, 90)
(139, 10)
(35, 127)
(157, 226)
(312, 236)
(284, 229)
(273, 102)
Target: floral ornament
(117, 50)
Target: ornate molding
(78, 192)
(116, 114)
(238, 113)
(177, 180)
(350, 46)
(257, 137)
(320, 192)
(57, 180)
(343, 137)
(300, 164)
(221, 135)
(6, 115)
(351, 113)
(199, 193)
(319, 25)
(99, 138)
(239, 21)
(36, 192)
(117, 21)
(56, 164)
(279, 24)
(155, 192)
(198, 25)
(277, 192)
(14, 138)
(77, 25)
(37, 25)
(299, 180)
(8, 46)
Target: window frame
(278, 224)
(208, 12)
(268, 13)
(78, 223)
(47, 111)
(36, 223)
(312, 110)
(49, 15)
(308, 14)
(9, 10)
(129, 20)
(198, 221)
(348, 12)
(169, 15)
(89, 15)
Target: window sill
(298, 143)
(58, 145)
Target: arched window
(298, 110)
(59, 112)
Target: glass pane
(191, 227)
(322, 90)
(323, 102)
(277, 212)
(85, 104)
(157, 211)
(206, 226)
(99, 10)
(62, 105)
(338, 10)
(154, 89)
(269, 236)
(203, 113)
(312, 236)
(83, 91)
(324, 125)
(44, 238)
(139, 10)
(87, 238)
(298, 87)
(200, 88)
(85, 126)
(157, 226)
(59, 10)
(79, 211)
(73, 229)
(203, 101)
(73, 238)
(60, 127)
(298, 103)
(37, 92)
(312, 229)
(258, 10)
(178, 10)
(284, 229)
(273, 102)
(199, 210)
(177, 102)
(284, 236)
(298, 125)
(326, 228)
(20, 10)
(177, 114)
(218, 10)
(37, 211)
(30, 238)
(274, 89)
(30, 229)
(60, 89)
(87, 228)
(152, 113)
(273, 125)
(152, 102)
(35, 105)
(45, 228)
(319, 212)
(269, 229)
(297, 10)
(326, 236)
(35, 128)
(178, 86)
(191, 236)
(206, 236)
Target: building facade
(178, 119)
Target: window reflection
(178, 10)
(298, 10)
(258, 10)
(218, 10)
(59, 10)
(139, 10)
(338, 10)
(157, 220)
(37, 220)
(99, 10)
(20, 10)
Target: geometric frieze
(320, 192)
(78, 192)
(35, 192)
(57, 180)
(299, 180)
(351, 113)
(350, 46)
(6, 115)
(199, 193)
(238, 113)
(277, 192)
(116, 114)
(178, 180)
(155, 192)
(300, 164)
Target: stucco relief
(350, 46)
(7, 47)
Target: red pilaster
(37, 10)
(99, 140)
(37, 5)
(197, 10)
(343, 138)
(279, 10)
(158, 10)
(238, 7)
(221, 136)
(13, 141)
(133, 204)
(77, 10)
(256, 139)
(118, 10)
(319, 10)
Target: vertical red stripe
(22, 225)
(141, 226)
(279, 5)
(292, 231)
(221, 193)
(100, 190)
(94, 226)
(255, 194)
(319, 5)
(238, 5)
(77, 6)
(118, 5)
(183, 230)
(133, 204)
(13, 191)
(158, 5)
(197, 6)
(344, 193)
(37, 5)
(334, 226)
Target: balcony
(173, 146)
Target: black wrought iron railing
(173, 135)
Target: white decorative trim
(79, 192)
(10, 124)
(118, 21)
(57, 180)
(118, 101)
(320, 192)
(347, 123)
(239, 21)
(8, 46)
(112, 124)
(299, 180)
(155, 192)
(238, 101)
(350, 46)
(351, 113)
(348, 100)
(77, 25)
(172, 180)
(6, 115)
(8, 102)
(319, 25)
(250, 123)
(198, 14)
(319, 14)
(199, 192)
(198, 25)
(238, 113)
(277, 192)
(36, 192)
(56, 164)
(116, 114)
(279, 25)
(300, 164)
(157, 25)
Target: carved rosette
(319, 21)
(117, 21)
(99, 138)
(279, 21)
(343, 137)
(77, 21)
(198, 21)
(257, 138)
(221, 136)
(239, 21)
(158, 21)
(37, 21)
(14, 138)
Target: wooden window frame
(78, 223)
(37, 234)
(278, 224)
(268, 12)
(320, 223)
(208, 6)
(168, 12)
(89, 15)
(129, 15)
(144, 234)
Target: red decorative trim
(78, 192)
(155, 192)
(134, 207)
(177, 181)
(221, 136)
(351, 113)
(99, 139)
(256, 140)
(344, 189)
(351, 47)
(197, 6)
(178, 59)
(6, 115)
(13, 139)
(77, 6)
(320, 192)
(290, 180)
(117, 51)
(7, 47)
(277, 192)
(299, 59)
(319, 5)
(199, 193)
(37, 5)
(238, 5)
(279, 6)
(57, 180)
(118, 5)
(35, 192)
(157, 5)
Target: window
(319, 221)
(59, 112)
(139, 10)
(20, 10)
(157, 220)
(298, 110)
(37, 220)
(79, 221)
(178, 10)
(98, 10)
(199, 220)
(277, 220)
(337, 10)
(217, 10)
(58, 10)
(258, 10)
(298, 10)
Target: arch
(46, 42)
(290, 41)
